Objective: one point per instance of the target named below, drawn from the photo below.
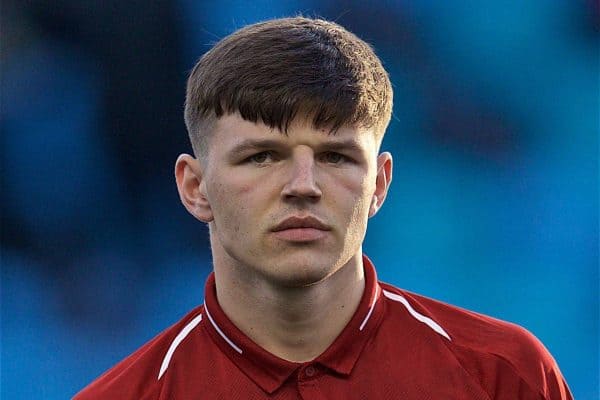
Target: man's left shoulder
(468, 328)
(480, 341)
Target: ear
(192, 187)
(382, 183)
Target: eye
(331, 157)
(261, 158)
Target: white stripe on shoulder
(184, 332)
(418, 316)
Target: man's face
(292, 209)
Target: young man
(286, 118)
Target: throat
(304, 332)
(295, 324)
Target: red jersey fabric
(398, 345)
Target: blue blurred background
(494, 205)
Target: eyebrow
(254, 144)
(259, 144)
(342, 145)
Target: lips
(300, 223)
(301, 230)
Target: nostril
(303, 186)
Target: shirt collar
(269, 371)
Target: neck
(296, 324)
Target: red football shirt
(398, 345)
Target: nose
(302, 183)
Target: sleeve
(533, 365)
(518, 367)
(537, 366)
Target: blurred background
(494, 205)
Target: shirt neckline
(269, 371)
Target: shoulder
(483, 345)
(470, 329)
(138, 375)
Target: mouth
(301, 229)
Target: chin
(301, 274)
(297, 281)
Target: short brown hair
(273, 70)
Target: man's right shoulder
(138, 375)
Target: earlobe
(192, 187)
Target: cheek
(227, 192)
(356, 194)
(360, 185)
(233, 204)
